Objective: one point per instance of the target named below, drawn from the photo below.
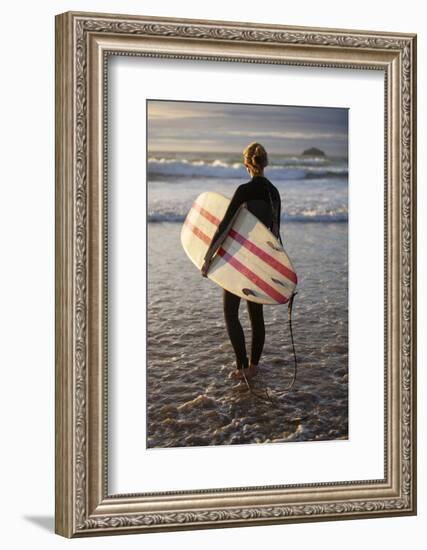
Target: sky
(184, 126)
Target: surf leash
(275, 228)
(294, 377)
(290, 305)
(255, 394)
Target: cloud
(186, 125)
(288, 135)
(170, 110)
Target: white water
(191, 400)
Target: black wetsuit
(260, 195)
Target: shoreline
(191, 401)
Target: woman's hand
(205, 268)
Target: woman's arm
(279, 208)
(223, 228)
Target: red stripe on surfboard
(206, 214)
(198, 232)
(260, 283)
(272, 262)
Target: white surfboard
(250, 263)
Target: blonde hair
(255, 157)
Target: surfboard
(250, 263)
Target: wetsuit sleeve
(221, 233)
(279, 208)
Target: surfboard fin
(273, 246)
(248, 292)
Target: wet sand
(191, 400)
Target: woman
(263, 200)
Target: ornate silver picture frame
(84, 42)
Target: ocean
(191, 401)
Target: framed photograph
(235, 274)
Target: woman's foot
(237, 374)
(249, 372)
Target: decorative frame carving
(83, 43)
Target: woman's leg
(256, 316)
(234, 328)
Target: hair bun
(256, 155)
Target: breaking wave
(307, 216)
(293, 168)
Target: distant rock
(313, 152)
